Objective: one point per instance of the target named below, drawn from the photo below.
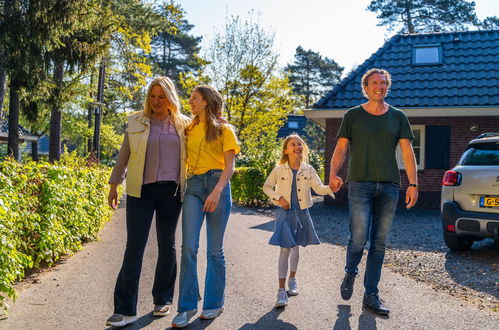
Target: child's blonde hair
(284, 156)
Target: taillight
(451, 178)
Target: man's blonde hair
(370, 72)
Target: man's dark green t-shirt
(373, 141)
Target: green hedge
(246, 185)
(47, 211)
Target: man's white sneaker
(282, 298)
(182, 319)
(209, 314)
(118, 320)
(293, 288)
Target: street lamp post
(98, 108)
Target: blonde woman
(153, 157)
(211, 150)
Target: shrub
(46, 211)
(246, 184)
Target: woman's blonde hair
(214, 106)
(170, 91)
(284, 157)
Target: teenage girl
(211, 149)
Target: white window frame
(418, 149)
(422, 54)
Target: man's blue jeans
(372, 208)
(198, 189)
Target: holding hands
(335, 183)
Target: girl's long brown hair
(214, 108)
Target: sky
(339, 29)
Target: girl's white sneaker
(282, 298)
(293, 288)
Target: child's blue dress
(294, 226)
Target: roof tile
(468, 75)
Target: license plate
(489, 202)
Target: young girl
(288, 186)
(211, 150)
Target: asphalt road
(77, 294)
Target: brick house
(446, 83)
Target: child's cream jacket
(279, 183)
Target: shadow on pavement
(141, 322)
(415, 245)
(367, 320)
(476, 269)
(343, 320)
(270, 321)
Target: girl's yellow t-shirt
(203, 156)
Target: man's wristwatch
(414, 185)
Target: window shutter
(437, 148)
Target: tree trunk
(55, 118)
(2, 87)
(13, 139)
(408, 18)
(34, 151)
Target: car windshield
(481, 154)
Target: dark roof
(468, 75)
(4, 128)
(284, 130)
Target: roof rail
(488, 134)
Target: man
(372, 131)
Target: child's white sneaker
(282, 298)
(293, 288)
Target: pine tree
(174, 50)
(419, 16)
(311, 75)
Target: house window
(427, 55)
(293, 124)
(417, 145)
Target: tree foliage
(418, 16)
(174, 50)
(311, 75)
(243, 67)
(490, 23)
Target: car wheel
(457, 243)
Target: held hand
(411, 197)
(211, 202)
(283, 203)
(112, 198)
(335, 183)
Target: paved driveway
(77, 294)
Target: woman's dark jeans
(165, 200)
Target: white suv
(470, 195)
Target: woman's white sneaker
(209, 314)
(282, 298)
(293, 288)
